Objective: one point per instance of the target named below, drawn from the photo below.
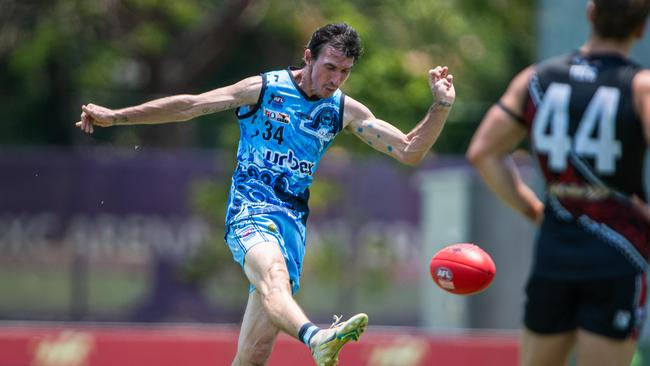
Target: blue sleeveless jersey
(282, 139)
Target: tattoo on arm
(120, 120)
(229, 106)
(442, 103)
(225, 107)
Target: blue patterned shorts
(275, 227)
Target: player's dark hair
(619, 19)
(340, 36)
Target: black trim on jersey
(341, 111)
(302, 92)
(257, 105)
(511, 113)
(607, 55)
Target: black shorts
(612, 307)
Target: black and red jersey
(590, 145)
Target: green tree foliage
(57, 54)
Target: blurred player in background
(588, 117)
(288, 119)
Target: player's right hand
(94, 115)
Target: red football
(462, 269)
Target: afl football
(462, 269)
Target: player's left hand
(441, 83)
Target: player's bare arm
(641, 91)
(384, 137)
(175, 108)
(492, 144)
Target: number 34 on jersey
(594, 137)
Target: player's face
(329, 71)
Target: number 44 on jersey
(594, 137)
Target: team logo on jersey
(321, 122)
(584, 73)
(277, 116)
(289, 160)
(276, 100)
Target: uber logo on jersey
(276, 116)
(289, 160)
(321, 122)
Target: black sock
(307, 331)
